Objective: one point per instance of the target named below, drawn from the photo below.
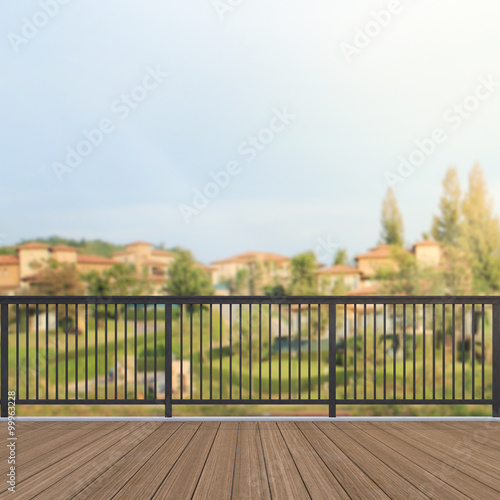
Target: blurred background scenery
(250, 148)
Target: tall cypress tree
(446, 225)
(392, 222)
(480, 234)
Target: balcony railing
(250, 350)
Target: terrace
(186, 358)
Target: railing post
(168, 360)
(4, 344)
(496, 360)
(332, 369)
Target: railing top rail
(254, 299)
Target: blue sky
(358, 103)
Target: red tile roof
(7, 260)
(94, 259)
(136, 243)
(32, 245)
(339, 269)
(253, 256)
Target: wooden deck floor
(255, 460)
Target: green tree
(480, 234)
(409, 278)
(446, 225)
(341, 257)
(185, 277)
(302, 274)
(120, 279)
(57, 279)
(392, 222)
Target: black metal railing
(250, 350)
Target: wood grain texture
(234, 460)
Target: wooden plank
(109, 483)
(464, 447)
(317, 477)
(284, 478)
(355, 482)
(250, 476)
(39, 460)
(62, 467)
(63, 437)
(216, 480)
(182, 479)
(454, 477)
(387, 479)
(148, 478)
(70, 485)
(488, 476)
(428, 483)
(42, 436)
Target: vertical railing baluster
(300, 350)
(201, 351)
(260, 351)
(181, 327)
(17, 350)
(404, 351)
(240, 357)
(135, 351)
(37, 347)
(145, 351)
(211, 381)
(385, 351)
(443, 347)
(46, 351)
(66, 333)
(279, 352)
(423, 351)
(27, 352)
(364, 351)
(270, 354)
(463, 351)
(4, 345)
(289, 351)
(168, 360)
(345, 351)
(250, 351)
(96, 348)
(433, 351)
(76, 351)
(86, 351)
(374, 351)
(220, 351)
(496, 360)
(473, 350)
(319, 351)
(332, 340)
(309, 351)
(482, 353)
(155, 341)
(125, 333)
(394, 351)
(230, 351)
(106, 351)
(453, 352)
(355, 351)
(414, 349)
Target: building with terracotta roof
(271, 269)
(329, 277)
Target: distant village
(229, 276)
